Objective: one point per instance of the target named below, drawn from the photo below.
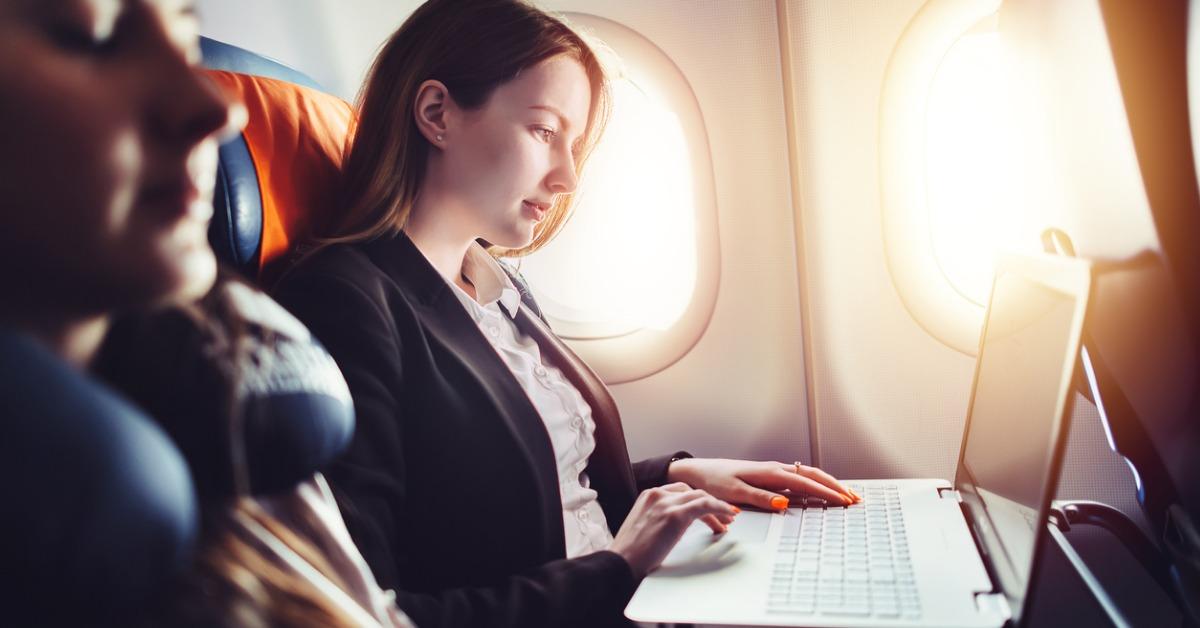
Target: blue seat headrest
(237, 226)
(99, 507)
(244, 377)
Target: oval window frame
(936, 305)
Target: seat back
(277, 180)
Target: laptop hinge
(949, 493)
(994, 605)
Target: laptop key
(846, 611)
(882, 575)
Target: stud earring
(439, 138)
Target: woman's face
(108, 157)
(508, 160)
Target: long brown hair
(473, 47)
(235, 582)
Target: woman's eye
(546, 133)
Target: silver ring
(797, 464)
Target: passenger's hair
(233, 582)
(473, 47)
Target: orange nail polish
(736, 510)
(779, 502)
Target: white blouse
(567, 416)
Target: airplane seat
(1143, 333)
(99, 506)
(277, 178)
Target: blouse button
(494, 331)
(577, 422)
(582, 514)
(540, 371)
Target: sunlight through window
(976, 210)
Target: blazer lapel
(449, 323)
(608, 468)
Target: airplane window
(932, 176)
(992, 131)
(631, 281)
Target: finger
(715, 524)
(699, 507)
(826, 479)
(808, 486)
(817, 475)
(663, 493)
(724, 518)
(683, 497)
(760, 498)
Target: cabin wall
(890, 399)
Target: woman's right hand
(658, 519)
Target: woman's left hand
(757, 483)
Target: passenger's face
(108, 154)
(519, 147)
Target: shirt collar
(491, 282)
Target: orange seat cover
(297, 138)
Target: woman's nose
(194, 108)
(563, 178)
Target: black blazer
(450, 487)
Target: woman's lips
(178, 200)
(533, 211)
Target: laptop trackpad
(701, 551)
(750, 527)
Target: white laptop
(913, 552)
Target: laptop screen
(1027, 356)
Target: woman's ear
(432, 102)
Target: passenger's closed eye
(85, 27)
(73, 38)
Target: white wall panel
(889, 399)
(332, 41)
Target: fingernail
(779, 502)
(736, 510)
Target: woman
(108, 165)
(489, 469)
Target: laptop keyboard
(847, 561)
